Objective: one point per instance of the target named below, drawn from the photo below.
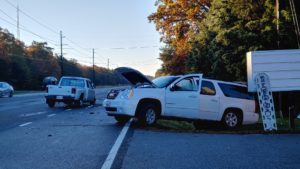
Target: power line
(26, 30)
(22, 26)
(79, 52)
(76, 44)
(45, 26)
(7, 15)
(295, 21)
(35, 20)
(76, 55)
(130, 48)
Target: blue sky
(118, 29)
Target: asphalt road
(33, 136)
(163, 150)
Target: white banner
(266, 101)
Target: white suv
(181, 97)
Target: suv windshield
(72, 82)
(164, 81)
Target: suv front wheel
(148, 114)
(232, 119)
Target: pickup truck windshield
(164, 81)
(72, 82)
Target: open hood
(133, 76)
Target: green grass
(183, 126)
(174, 125)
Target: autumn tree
(177, 21)
(215, 42)
(231, 29)
(26, 66)
(42, 62)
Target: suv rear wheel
(232, 119)
(148, 114)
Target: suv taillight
(47, 89)
(73, 90)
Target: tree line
(213, 36)
(25, 66)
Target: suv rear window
(236, 91)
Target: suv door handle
(214, 100)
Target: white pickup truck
(186, 97)
(71, 90)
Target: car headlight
(127, 94)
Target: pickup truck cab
(71, 90)
(185, 97)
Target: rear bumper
(59, 98)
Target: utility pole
(61, 54)
(108, 64)
(278, 46)
(18, 22)
(277, 23)
(93, 65)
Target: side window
(91, 85)
(235, 91)
(207, 88)
(88, 84)
(186, 84)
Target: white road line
(68, 109)
(33, 114)
(51, 115)
(25, 124)
(114, 150)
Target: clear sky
(118, 29)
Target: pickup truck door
(90, 91)
(209, 101)
(182, 98)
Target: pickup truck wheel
(121, 119)
(232, 119)
(51, 104)
(93, 102)
(148, 114)
(78, 103)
